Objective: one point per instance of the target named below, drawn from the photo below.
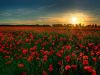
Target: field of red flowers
(30, 53)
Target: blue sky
(47, 11)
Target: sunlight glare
(74, 20)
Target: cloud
(41, 20)
(24, 13)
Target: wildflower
(27, 40)
(85, 57)
(44, 72)
(94, 59)
(45, 53)
(81, 46)
(37, 58)
(81, 54)
(67, 67)
(51, 52)
(50, 68)
(6, 57)
(1, 34)
(85, 62)
(73, 54)
(61, 51)
(60, 63)
(21, 65)
(94, 72)
(92, 53)
(88, 68)
(24, 51)
(34, 48)
(33, 54)
(29, 58)
(68, 47)
(45, 58)
(58, 54)
(67, 58)
(74, 67)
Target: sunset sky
(49, 11)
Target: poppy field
(31, 53)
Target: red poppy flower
(27, 40)
(33, 53)
(58, 54)
(92, 53)
(67, 58)
(50, 68)
(24, 51)
(61, 51)
(45, 53)
(85, 57)
(34, 47)
(29, 58)
(88, 68)
(85, 62)
(45, 58)
(74, 67)
(37, 58)
(21, 65)
(6, 57)
(67, 67)
(60, 63)
(51, 52)
(98, 53)
(94, 72)
(81, 54)
(1, 34)
(44, 72)
(94, 59)
(81, 46)
(73, 54)
(68, 47)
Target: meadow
(49, 51)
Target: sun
(77, 18)
(74, 20)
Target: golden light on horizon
(74, 20)
(78, 18)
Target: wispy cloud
(41, 20)
(24, 13)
